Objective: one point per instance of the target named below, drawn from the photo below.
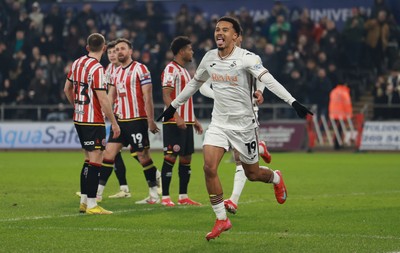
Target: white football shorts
(244, 141)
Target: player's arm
(147, 91)
(112, 94)
(166, 91)
(254, 65)
(106, 108)
(69, 91)
(206, 90)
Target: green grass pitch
(337, 202)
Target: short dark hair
(235, 23)
(111, 44)
(178, 43)
(120, 40)
(95, 41)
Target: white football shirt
(233, 102)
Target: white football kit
(233, 121)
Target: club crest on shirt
(233, 65)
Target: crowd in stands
(309, 58)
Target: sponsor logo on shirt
(224, 78)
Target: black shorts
(92, 137)
(134, 133)
(178, 141)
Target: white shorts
(244, 141)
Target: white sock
(166, 197)
(100, 189)
(238, 184)
(276, 179)
(153, 192)
(124, 188)
(91, 202)
(219, 211)
(83, 198)
(183, 196)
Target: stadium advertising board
(283, 136)
(58, 135)
(381, 136)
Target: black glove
(167, 114)
(301, 110)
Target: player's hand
(167, 114)
(259, 97)
(197, 127)
(116, 130)
(301, 110)
(180, 123)
(153, 127)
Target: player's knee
(210, 171)
(251, 176)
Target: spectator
(330, 41)
(278, 28)
(340, 108)
(39, 88)
(48, 42)
(55, 18)
(380, 98)
(37, 18)
(353, 36)
(377, 40)
(7, 92)
(319, 90)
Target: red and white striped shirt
(176, 77)
(128, 83)
(110, 72)
(87, 75)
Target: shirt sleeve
(98, 79)
(144, 75)
(168, 77)
(206, 89)
(253, 64)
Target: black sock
(120, 169)
(166, 176)
(92, 179)
(84, 172)
(105, 171)
(149, 171)
(184, 177)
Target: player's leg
(240, 179)
(166, 176)
(83, 192)
(245, 143)
(184, 178)
(212, 158)
(214, 146)
(120, 172)
(185, 159)
(263, 152)
(112, 149)
(254, 172)
(149, 171)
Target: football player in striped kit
(85, 89)
(131, 87)
(178, 132)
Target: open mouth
(220, 41)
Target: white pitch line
(174, 231)
(157, 207)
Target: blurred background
(309, 46)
